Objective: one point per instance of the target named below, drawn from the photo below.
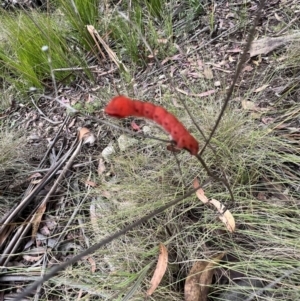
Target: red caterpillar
(121, 107)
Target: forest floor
(116, 179)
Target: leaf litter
(224, 214)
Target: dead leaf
(32, 258)
(248, 68)
(101, 167)
(36, 181)
(200, 192)
(35, 254)
(267, 120)
(208, 73)
(35, 175)
(159, 270)
(71, 124)
(37, 219)
(203, 94)
(94, 216)
(234, 50)
(82, 132)
(277, 17)
(45, 231)
(228, 219)
(173, 58)
(90, 138)
(50, 222)
(93, 264)
(90, 183)
(266, 45)
(86, 136)
(248, 105)
(197, 283)
(256, 115)
(225, 215)
(220, 207)
(223, 70)
(162, 41)
(196, 75)
(261, 88)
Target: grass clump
(25, 33)
(78, 14)
(128, 33)
(24, 63)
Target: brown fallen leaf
(261, 88)
(35, 175)
(35, 254)
(83, 132)
(93, 263)
(176, 57)
(266, 45)
(208, 73)
(278, 18)
(267, 120)
(162, 41)
(200, 192)
(32, 258)
(248, 105)
(225, 215)
(206, 93)
(89, 183)
(203, 94)
(234, 50)
(101, 167)
(37, 219)
(197, 283)
(160, 269)
(36, 181)
(248, 68)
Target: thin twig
(74, 69)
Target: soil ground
(201, 69)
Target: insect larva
(121, 107)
